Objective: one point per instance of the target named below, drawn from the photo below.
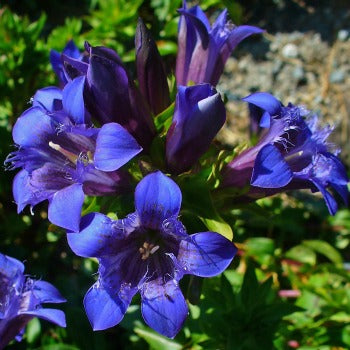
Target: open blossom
(20, 301)
(199, 115)
(292, 154)
(203, 49)
(149, 251)
(63, 158)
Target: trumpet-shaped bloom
(110, 95)
(21, 298)
(292, 154)
(199, 115)
(63, 157)
(203, 50)
(149, 251)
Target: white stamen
(295, 155)
(154, 249)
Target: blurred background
(289, 286)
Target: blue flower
(110, 94)
(199, 115)
(21, 298)
(203, 50)
(70, 50)
(149, 251)
(292, 154)
(63, 157)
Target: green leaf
(164, 119)
(261, 248)
(249, 289)
(198, 201)
(33, 330)
(219, 225)
(157, 341)
(303, 254)
(324, 248)
(58, 347)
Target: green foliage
(285, 243)
(22, 62)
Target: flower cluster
(21, 298)
(100, 131)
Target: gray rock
(343, 35)
(298, 73)
(290, 51)
(337, 76)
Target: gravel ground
(306, 67)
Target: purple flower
(70, 50)
(21, 298)
(203, 50)
(199, 115)
(63, 158)
(150, 70)
(149, 251)
(292, 154)
(110, 95)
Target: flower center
(147, 249)
(85, 157)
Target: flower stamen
(71, 156)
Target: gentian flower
(199, 115)
(203, 50)
(63, 158)
(149, 251)
(110, 95)
(292, 154)
(150, 70)
(20, 301)
(69, 50)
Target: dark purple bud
(111, 96)
(150, 70)
(199, 115)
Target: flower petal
(270, 169)
(21, 190)
(71, 50)
(206, 254)
(265, 120)
(157, 198)
(52, 315)
(73, 100)
(65, 207)
(45, 292)
(46, 97)
(105, 310)
(164, 307)
(10, 268)
(32, 127)
(199, 115)
(330, 201)
(265, 101)
(114, 147)
(94, 238)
